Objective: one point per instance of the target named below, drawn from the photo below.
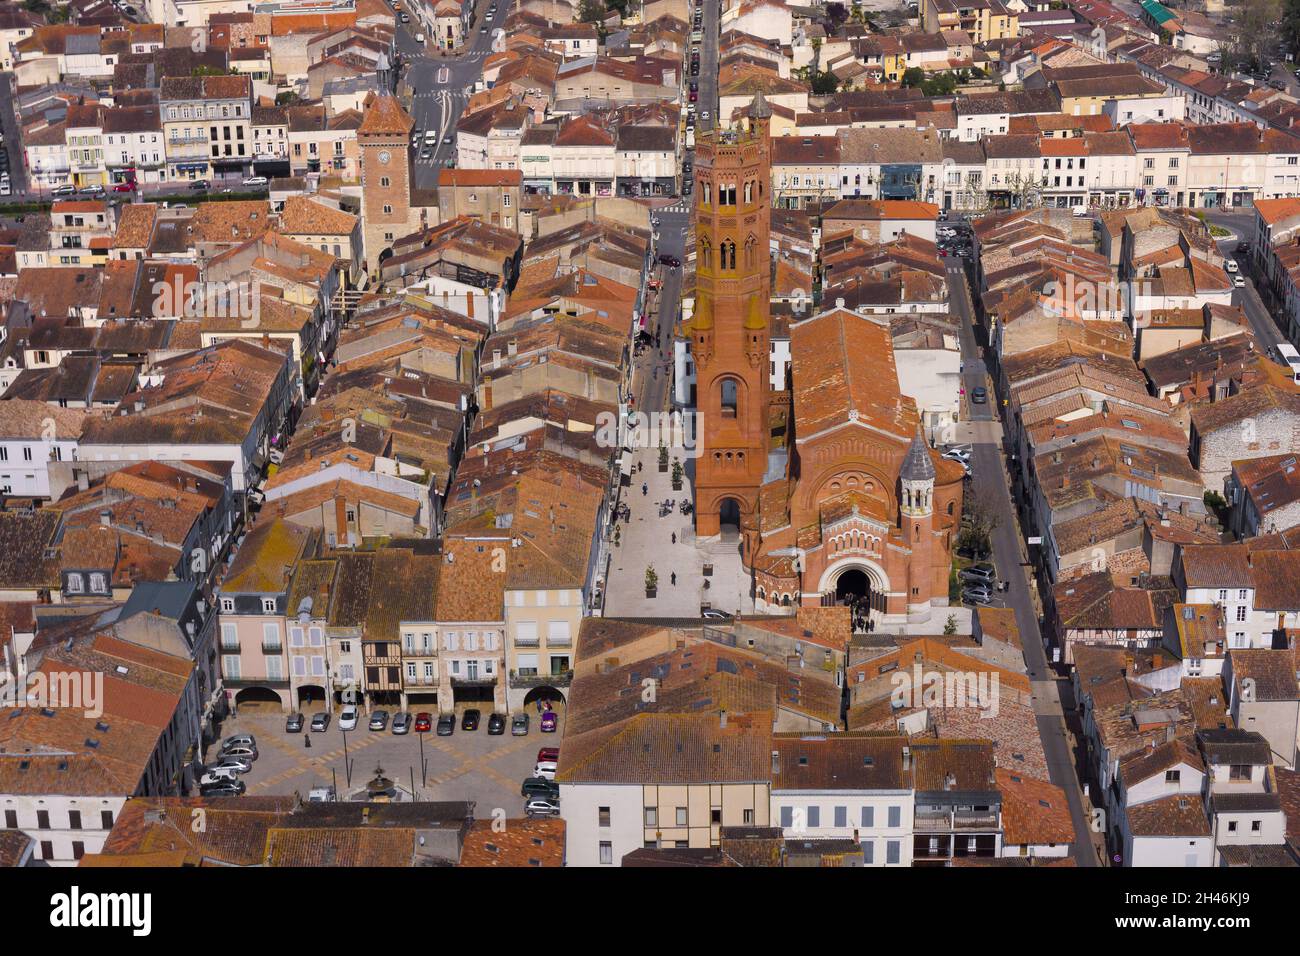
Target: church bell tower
(730, 330)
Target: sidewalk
(647, 539)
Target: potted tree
(677, 475)
(651, 582)
(663, 458)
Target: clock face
(383, 157)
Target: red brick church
(853, 504)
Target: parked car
(548, 753)
(550, 721)
(497, 724)
(256, 181)
(200, 184)
(401, 723)
(424, 722)
(65, 190)
(713, 614)
(1230, 265)
(542, 807)
(539, 787)
(957, 454)
(320, 722)
(243, 753)
(293, 724)
(216, 775)
(95, 190)
(237, 764)
(979, 394)
(668, 260)
(321, 795)
(971, 554)
(239, 740)
(227, 788)
(982, 573)
(469, 720)
(446, 725)
(1239, 281)
(379, 720)
(519, 725)
(545, 768)
(125, 187)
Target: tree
(950, 626)
(591, 11)
(913, 76)
(824, 84)
(978, 522)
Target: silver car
(401, 723)
(541, 807)
(379, 720)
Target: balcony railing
(277, 648)
(233, 648)
(541, 680)
(489, 680)
(960, 821)
(420, 681)
(528, 642)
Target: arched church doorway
(729, 518)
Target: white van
(1290, 358)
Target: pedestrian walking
(645, 489)
(674, 537)
(673, 578)
(306, 741)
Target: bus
(1290, 358)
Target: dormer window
(228, 605)
(268, 605)
(75, 584)
(98, 583)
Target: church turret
(916, 506)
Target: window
(106, 819)
(1256, 826)
(652, 816)
(891, 851)
(606, 853)
(868, 852)
(787, 817)
(868, 816)
(728, 388)
(1239, 772)
(1232, 826)
(602, 814)
(11, 820)
(74, 819)
(268, 605)
(895, 816)
(1241, 613)
(1172, 776)
(681, 816)
(228, 605)
(814, 816)
(75, 584)
(42, 819)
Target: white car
(218, 775)
(1239, 281)
(957, 454)
(1231, 266)
(348, 719)
(545, 769)
(256, 181)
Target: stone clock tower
(384, 138)
(730, 330)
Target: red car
(127, 187)
(423, 722)
(548, 753)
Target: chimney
(365, 815)
(83, 481)
(907, 757)
(105, 518)
(722, 719)
(776, 762)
